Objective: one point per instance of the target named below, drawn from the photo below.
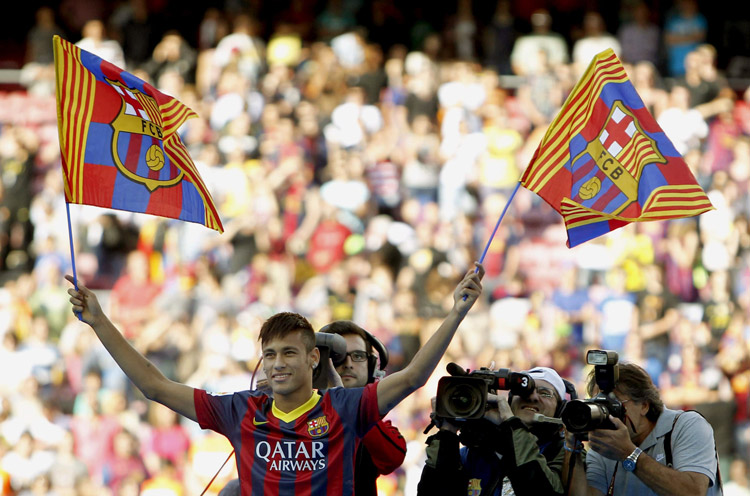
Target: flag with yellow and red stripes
(119, 142)
(604, 162)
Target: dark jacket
(532, 464)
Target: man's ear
(315, 356)
(645, 407)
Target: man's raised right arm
(146, 377)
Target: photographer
(652, 450)
(509, 451)
(383, 449)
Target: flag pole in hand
(489, 241)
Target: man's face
(353, 374)
(635, 416)
(288, 365)
(543, 401)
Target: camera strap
(668, 447)
(611, 488)
(668, 455)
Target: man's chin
(526, 416)
(349, 382)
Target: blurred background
(360, 153)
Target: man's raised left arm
(397, 386)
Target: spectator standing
(125, 463)
(243, 47)
(709, 90)
(595, 40)
(618, 314)
(499, 37)
(738, 484)
(172, 53)
(167, 439)
(95, 40)
(640, 37)
(136, 30)
(684, 29)
(523, 57)
(132, 294)
(39, 38)
(649, 85)
(684, 126)
(67, 469)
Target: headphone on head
(375, 370)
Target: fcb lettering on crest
(138, 139)
(616, 158)
(318, 426)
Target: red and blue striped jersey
(307, 452)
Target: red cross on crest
(618, 131)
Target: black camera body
(331, 346)
(593, 413)
(463, 395)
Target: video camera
(463, 394)
(593, 413)
(331, 346)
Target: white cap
(549, 375)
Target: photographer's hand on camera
(501, 444)
(499, 409)
(442, 423)
(614, 444)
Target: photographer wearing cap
(651, 449)
(518, 447)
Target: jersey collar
(297, 412)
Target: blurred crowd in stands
(358, 174)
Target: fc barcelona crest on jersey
(475, 487)
(317, 427)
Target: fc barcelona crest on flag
(317, 427)
(137, 140)
(616, 158)
(120, 145)
(605, 162)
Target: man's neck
(644, 432)
(289, 402)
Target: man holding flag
(120, 149)
(296, 441)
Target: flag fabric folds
(605, 162)
(119, 142)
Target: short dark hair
(346, 327)
(635, 383)
(281, 324)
